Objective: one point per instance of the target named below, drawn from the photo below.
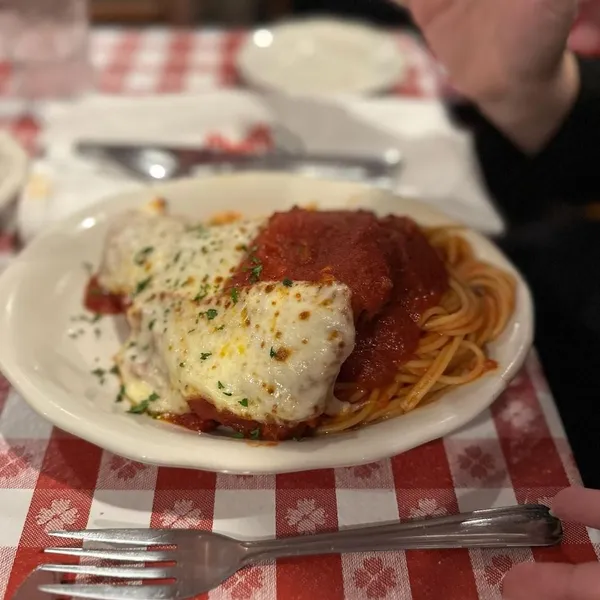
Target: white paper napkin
(178, 119)
(439, 165)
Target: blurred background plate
(321, 56)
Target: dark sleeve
(567, 170)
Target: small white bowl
(42, 292)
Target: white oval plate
(321, 56)
(43, 289)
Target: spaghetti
(452, 349)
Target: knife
(160, 163)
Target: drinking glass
(47, 45)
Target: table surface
(515, 452)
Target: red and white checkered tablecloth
(515, 452)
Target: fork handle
(527, 525)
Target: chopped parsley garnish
(255, 273)
(243, 248)
(142, 407)
(151, 324)
(220, 328)
(211, 313)
(114, 370)
(121, 394)
(139, 409)
(142, 255)
(142, 285)
(244, 402)
(191, 330)
(84, 318)
(222, 387)
(238, 434)
(97, 332)
(205, 355)
(202, 293)
(256, 270)
(177, 257)
(288, 282)
(255, 434)
(272, 352)
(182, 364)
(100, 374)
(234, 295)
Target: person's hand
(551, 581)
(508, 56)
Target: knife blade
(166, 162)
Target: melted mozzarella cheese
(138, 245)
(271, 353)
(272, 356)
(148, 252)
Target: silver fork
(198, 561)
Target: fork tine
(142, 537)
(112, 592)
(125, 554)
(118, 572)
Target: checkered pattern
(516, 452)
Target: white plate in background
(321, 56)
(42, 291)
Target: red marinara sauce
(319, 246)
(386, 342)
(191, 421)
(393, 272)
(274, 432)
(99, 301)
